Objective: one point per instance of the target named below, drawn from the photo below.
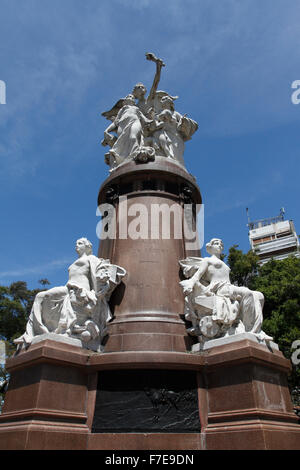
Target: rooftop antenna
(248, 217)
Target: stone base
(57, 338)
(213, 343)
(241, 394)
(91, 345)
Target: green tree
(279, 281)
(243, 266)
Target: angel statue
(128, 121)
(215, 307)
(129, 143)
(172, 130)
(139, 91)
(79, 309)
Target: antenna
(248, 217)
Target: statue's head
(129, 99)
(83, 245)
(167, 102)
(165, 115)
(139, 91)
(215, 246)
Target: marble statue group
(143, 127)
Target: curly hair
(210, 244)
(88, 245)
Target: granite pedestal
(233, 396)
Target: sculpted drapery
(128, 124)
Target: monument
(148, 346)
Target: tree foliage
(279, 281)
(243, 266)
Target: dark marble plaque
(146, 401)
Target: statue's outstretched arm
(159, 65)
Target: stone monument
(148, 346)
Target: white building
(274, 238)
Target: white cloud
(38, 269)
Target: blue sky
(64, 62)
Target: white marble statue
(146, 127)
(80, 308)
(128, 125)
(169, 138)
(215, 307)
(146, 104)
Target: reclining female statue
(80, 308)
(214, 305)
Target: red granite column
(149, 305)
